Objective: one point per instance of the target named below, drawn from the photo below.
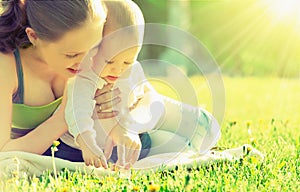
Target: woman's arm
(5, 112)
(38, 140)
(8, 84)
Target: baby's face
(115, 66)
(116, 55)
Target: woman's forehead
(81, 39)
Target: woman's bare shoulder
(8, 75)
(58, 85)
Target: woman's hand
(128, 146)
(105, 100)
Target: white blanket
(16, 162)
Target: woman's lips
(112, 78)
(74, 71)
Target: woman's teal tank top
(25, 118)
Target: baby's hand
(91, 158)
(92, 154)
(128, 146)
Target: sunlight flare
(286, 11)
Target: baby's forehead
(121, 38)
(112, 50)
(128, 52)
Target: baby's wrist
(79, 141)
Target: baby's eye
(128, 62)
(72, 56)
(108, 62)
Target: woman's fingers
(108, 105)
(106, 115)
(104, 89)
(108, 95)
(105, 100)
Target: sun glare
(283, 10)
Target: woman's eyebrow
(83, 52)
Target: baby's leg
(167, 142)
(184, 126)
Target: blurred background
(246, 37)
(255, 44)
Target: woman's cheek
(93, 52)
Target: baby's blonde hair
(123, 14)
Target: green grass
(270, 108)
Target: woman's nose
(80, 58)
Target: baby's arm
(79, 111)
(147, 112)
(92, 154)
(148, 109)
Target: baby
(176, 126)
(113, 62)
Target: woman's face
(64, 56)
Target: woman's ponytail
(13, 22)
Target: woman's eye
(109, 62)
(72, 56)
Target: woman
(41, 46)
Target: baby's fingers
(103, 161)
(88, 162)
(100, 162)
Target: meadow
(263, 112)
(246, 38)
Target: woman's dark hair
(50, 19)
